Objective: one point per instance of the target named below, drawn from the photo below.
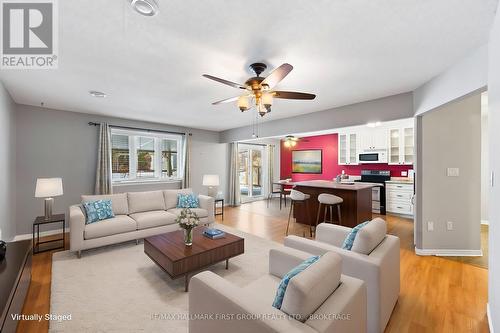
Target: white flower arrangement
(187, 219)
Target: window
(145, 157)
(120, 156)
(141, 156)
(169, 158)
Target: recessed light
(145, 7)
(98, 94)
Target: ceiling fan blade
(229, 83)
(277, 75)
(227, 100)
(293, 95)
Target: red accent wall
(331, 168)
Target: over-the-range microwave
(373, 157)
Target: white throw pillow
(309, 289)
(370, 236)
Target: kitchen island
(356, 208)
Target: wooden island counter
(356, 208)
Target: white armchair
(216, 305)
(379, 268)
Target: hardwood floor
(437, 294)
(38, 297)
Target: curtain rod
(91, 123)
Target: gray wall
(494, 215)
(467, 75)
(382, 109)
(451, 138)
(7, 166)
(53, 143)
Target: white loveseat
(376, 263)
(137, 215)
(319, 299)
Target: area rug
(119, 289)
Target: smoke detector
(145, 7)
(98, 94)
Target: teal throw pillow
(349, 240)
(98, 210)
(187, 201)
(280, 293)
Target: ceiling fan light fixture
(263, 110)
(243, 103)
(267, 99)
(145, 7)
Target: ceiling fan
(291, 141)
(259, 91)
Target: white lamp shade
(48, 187)
(210, 180)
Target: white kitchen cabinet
(348, 148)
(401, 146)
(374, 139)
(399, 198)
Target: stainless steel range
(378, 193)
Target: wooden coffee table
(178, 260)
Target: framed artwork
(307, 161)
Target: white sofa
(337, 303)
(376, 263)
(137, 215)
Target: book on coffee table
(214, 233)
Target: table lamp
(212, 181)
(48, 188)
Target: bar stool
(284, 193)
(298, 198)
(329, 200)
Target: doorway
(252, 171)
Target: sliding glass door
(252, 171)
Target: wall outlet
(453, 172)
(430, 226)
(449, 225)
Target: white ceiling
(151, 67)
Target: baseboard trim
(485, 222)
(488, 314)
(448, 252)
(42, 234)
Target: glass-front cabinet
(408, 145)
(348, 149)
(394, 145)
(401, 145)
(353, 152)
(342, 149)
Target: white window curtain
(234, 181)
(186, 177)
(103, 173)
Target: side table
(40, 220)
(221, 211)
